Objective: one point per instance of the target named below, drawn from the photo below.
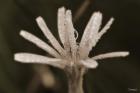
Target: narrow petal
(110, 55)
(41, 23)
(89, 63)
(91, 26)
(34, 58)
(61, 24)
(62, 29)
(102, 32)
(71, 30)
(106, 27)
(90, 34)
(41, 44)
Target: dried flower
(70, 54)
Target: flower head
(70, 54)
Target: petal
(41, 44)
(110, 55)
(41, 23)
(90, 34)
(34, 58)
(70, 29)
(106, 27)
(62, 29)
(89, 63)
(104, 30)
(61, 24)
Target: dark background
(119, 75)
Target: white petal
(106, 27)
(62, 29)
(34, 58)
(90, 26)
(61, 24)
(102, 32)
(41, 23)
(70, 29)
(41, 44)
(110, 55)
(89, 63)
(90, 34)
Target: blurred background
(119, 75)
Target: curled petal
(110, 55)
(34, 58)
(90, 34)
(41, 44)
(41, 23)
(89, 63)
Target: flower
(70, 54)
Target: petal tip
(61, 8)
(22, 32)
(39, 19)
(90, 63)
(98, 13)
(126, 54)
(17, 57)
(111, 20)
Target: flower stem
(75, 79)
